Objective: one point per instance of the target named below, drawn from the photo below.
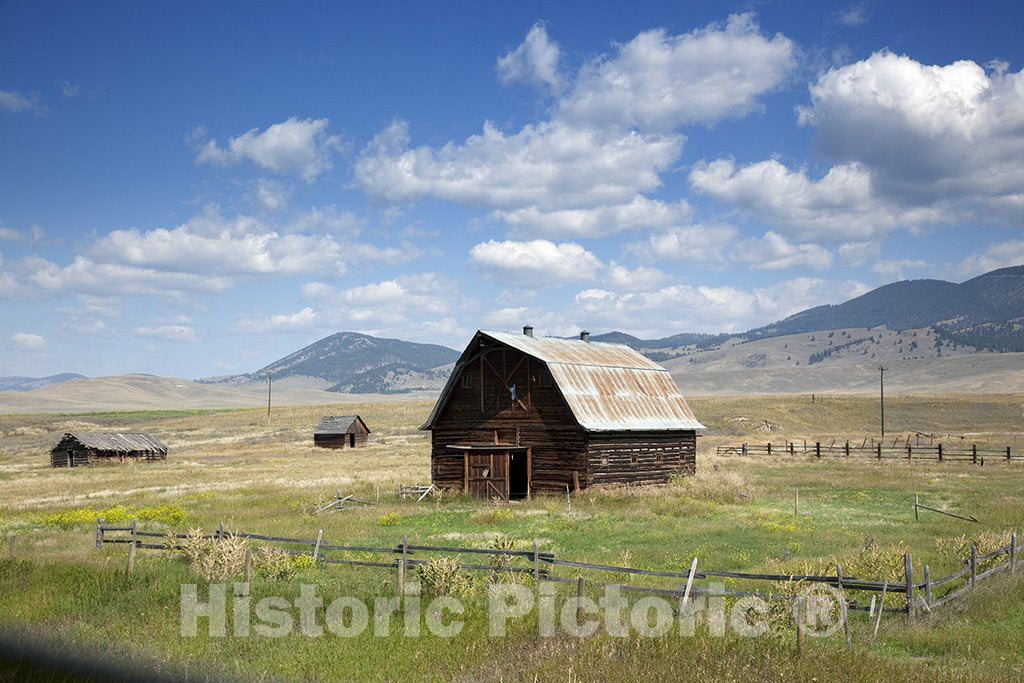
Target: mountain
(32, 383)
(986, 312)
(349, 362)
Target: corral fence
(877, 451)
(543, 566)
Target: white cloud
(926, 134)
(14, 101)
(856, 254)
(27, 340)
(547, 166)
(1001, 255)
(317, 290)
(534, 264)
(773, 252)
(534, 62)
(330, 220)
(271, 194)
(895, 269)
(634, 279)
(669, 310)
(640, 212)
(305, 319)
(167, 332)
(70, 90)
(703, 244)
(300, 146)
(43, 277)
(854, 15)
(838, 206)
(659, 81)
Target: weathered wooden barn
(341, 431)
(522, 415)
(79, 449)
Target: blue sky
(196, 189)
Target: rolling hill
(32, 383)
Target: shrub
(171, 515)
(443, 576)
(274, 563)
(215, 559)
(390, 519)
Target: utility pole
(270, 380)
(881, 394)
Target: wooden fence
(931, 593)
(877, 451)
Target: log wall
(640, 457)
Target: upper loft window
(466, 380)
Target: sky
(197, 189)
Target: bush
(278, 564)
(443, 576)
(390, 519)
(215, 559)
(170, 515)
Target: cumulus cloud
(1001, 255)
(534, 264)
(305, 319)
(856, 254)
(853, 15)
(926, 133)
(640, 212)
(774, 252)
(28, 341)
(839, 206)
(297, 146)
(70, 90)
(14, 101)
(708, 309)
(641, 278)
(549, 166)
(703, 244)
(534, 62)
(896, 269)
(585, 171)
(658, 81)
(271, 194)
(174, 333)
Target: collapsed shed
(521, 415)
(341, 431)
(78, 449)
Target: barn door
(487, 474)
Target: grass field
(736, 514)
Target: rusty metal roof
(609, 387)
(119, 443)
(338, 424)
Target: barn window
(467, 380)
(632, 459)
(543, 379)
(604, 461)
(660, 457)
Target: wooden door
(487, 474)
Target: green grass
(737, 514)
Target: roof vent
(528, 330)
(585, 336)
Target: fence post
(974, 564)
(536, 563)
(1007, 454)
(974, 453)
(744, 449)
(910, 456)
(879, 447)
(917, 502)
(908, 572)
(791, 448)
(817, 448)
(401, 568)
(1013, 552)
(579, 601)
(131, 548)
(11, 539)
(99, 532)
(248, 570)
(798, 617)
(220, 531)
(842, 605)
(847, 449)
(940, 452)
(927, 587)
(316, 548)
(769, 448)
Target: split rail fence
(877, 451)
(929, 594)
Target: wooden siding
(639, 457)
(341, 440)
(538, 417)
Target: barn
(341, 431)
(522, 415)
(79, 449)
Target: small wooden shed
(341, 431)
(78, 449)
(522, 415)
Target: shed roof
(339, 424)
(119, 443)
(609, 387)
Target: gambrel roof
(608, 387)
